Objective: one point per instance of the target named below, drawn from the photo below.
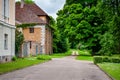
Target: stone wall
(48, 41)
(42, 38)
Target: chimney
(22, 3)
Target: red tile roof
(29, 14)
(36, 9)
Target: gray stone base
(4, 59)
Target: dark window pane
(31, 30)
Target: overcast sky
(50, 6)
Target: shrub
(84, 53)
(44, 57)
(115, 60)
(14, 58)
(98, 59)
(106, 59)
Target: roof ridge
(25, 15)
(36, 9)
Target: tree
(91, 24)
(60, 44)
(108, 10)
(27, 1)
(81, 25)
(84, 3)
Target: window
(5, 8)
(0, 58)
(31, 30)
(6, 41)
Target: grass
(58, 55)
(44, 57)
(84, 55)
(113, 69)
(18, 64)
(22, 63)
(61, 55)
(87, 58)
(116, 55)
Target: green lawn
(61, 55)
(112, 69)
(84, 55)
(20, 63)
(87, 58)
(58, 55)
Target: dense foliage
(60, 43)
(19, 38)
(27, 1)
(90, 24)
(109, 13)
(81, 25)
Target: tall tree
(60, 44)
(81, 25)
(91, 24)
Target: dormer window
(31, 30)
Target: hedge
(115, 60)
(106, 59)
(100, 59)
(97, 59)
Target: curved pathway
(58, 69)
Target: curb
(111, 78)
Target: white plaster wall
(11, 12)
(1, 39)
(0, 9)
(11, 41)
(7, 27)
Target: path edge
(105, 73)
(23, 67)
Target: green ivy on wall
(27, 25)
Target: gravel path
(58, 69)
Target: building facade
(38, 37)
(7, 30)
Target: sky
(51, 7)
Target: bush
(98, 59)
(14, 58)
(106, 59)
(84, 53)
(115, 60)
(44, 57)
